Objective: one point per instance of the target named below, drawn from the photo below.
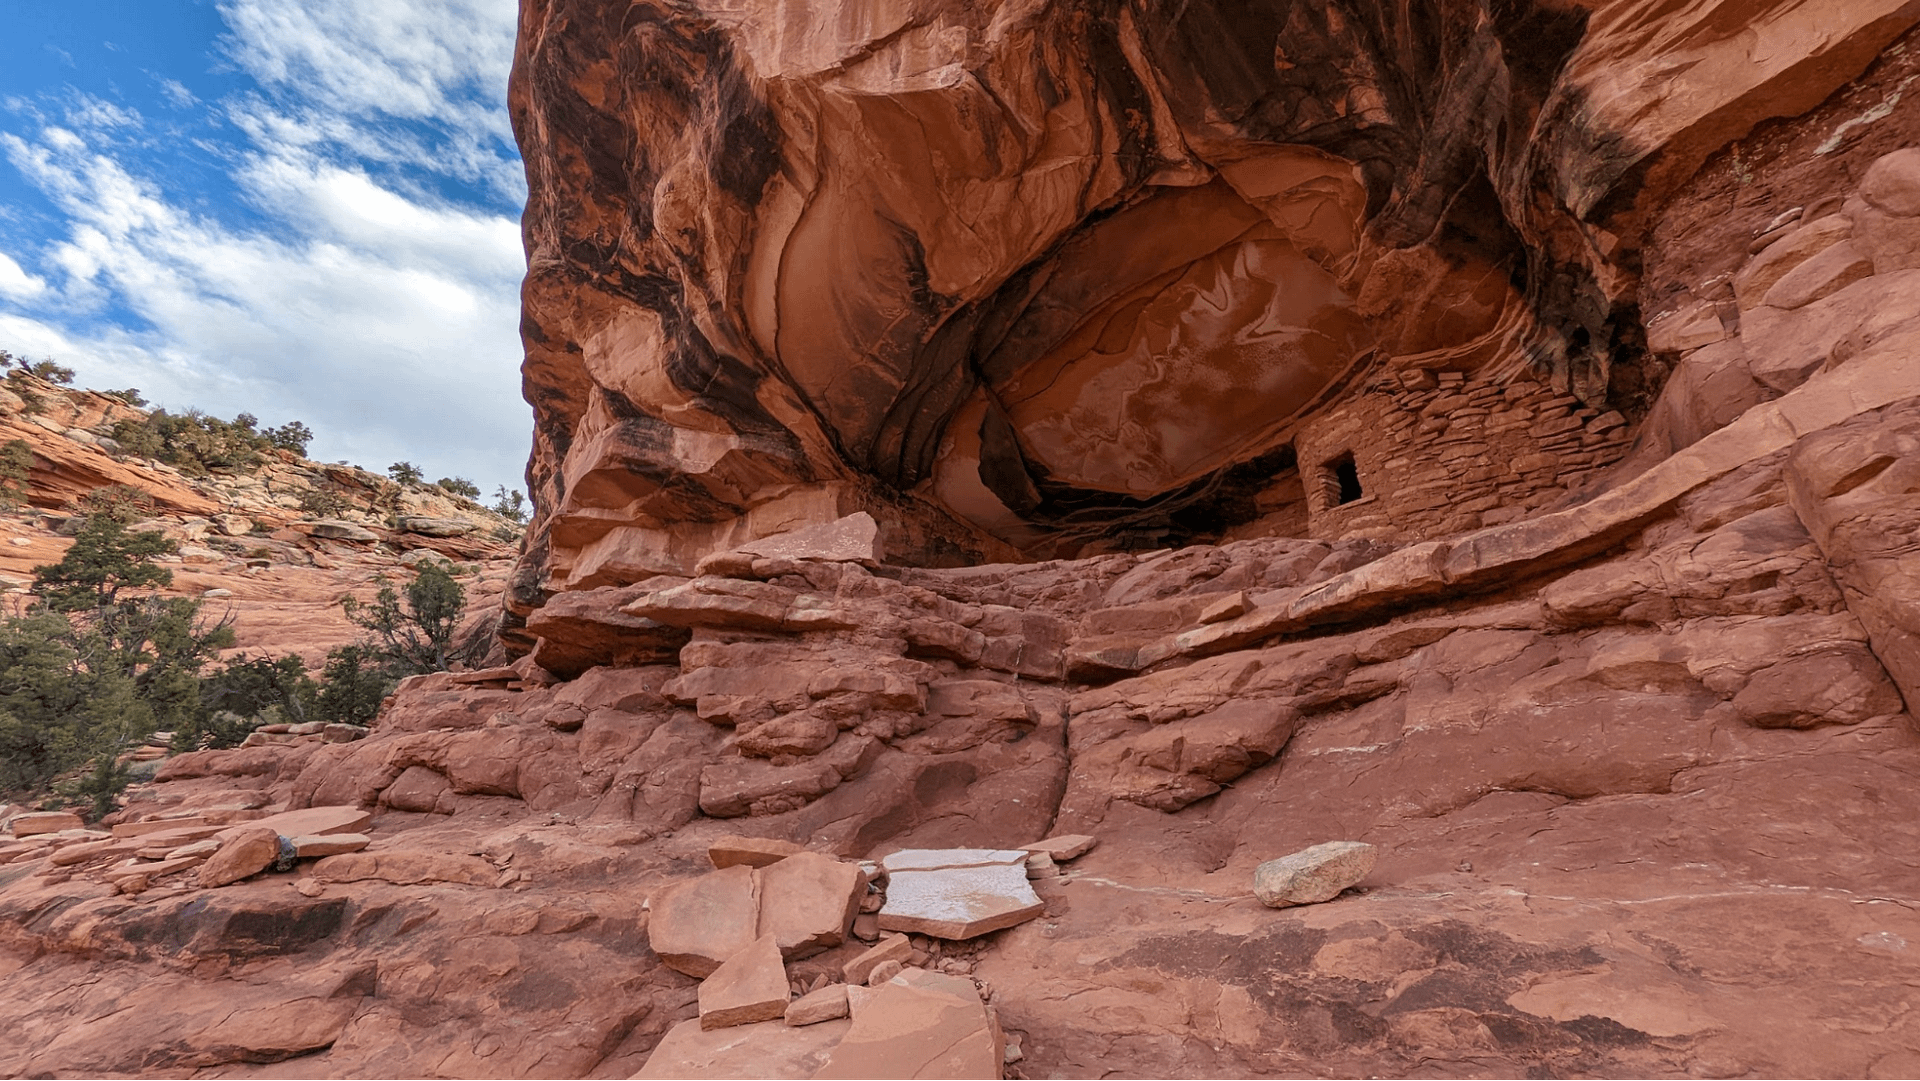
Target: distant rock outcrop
(1467, 446)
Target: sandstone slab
(1314, 874)
(733, 849)
(829, 1003)
(808, 902)
(749, 986)
(695, 926)
(891, 947)
(314, 821)
(927, 1027)
(314, 846)
(157, 825)
(244, 853)
(34, 823)
(1065, 847)
(852, 539)
(960, 902)
(437, 527)
(763, 1050)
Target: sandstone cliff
(274, 544)
(1485, 431)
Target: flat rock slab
(314, 821)
(827, 1004)
(157, 825)
(960, 902)
(751, 986)
(933, 859)
(1065, 847)
(242, 855)
(314, 846)
(915, 1027)
(1312, 875)
(808, 902)
(34, 823)
(766, 1049)
(733, 850)
(696, 925)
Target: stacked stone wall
(1439, 453)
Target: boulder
(749, 986)
(1313, 874)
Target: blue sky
(301, 209)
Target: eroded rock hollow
(1477, 437)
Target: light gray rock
(436, 527)
(343, 531)
(1313, 874)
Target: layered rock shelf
(1197, 540)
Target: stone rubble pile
(891, 1009)
(221, 845)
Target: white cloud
(176, 93)
(15, 282)
(371, 304)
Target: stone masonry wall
(1438, 453)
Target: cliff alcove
(1484, 430)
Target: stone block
(749, 986)
(1067, 846)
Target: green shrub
(53, 373)
(352, 685)
(510, 504)
(194, 442)
(405, 472)
(292, 435)
(459, 486)
(415, 636)
(323, 502)
(16, 462)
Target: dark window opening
(1343, 480)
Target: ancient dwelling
(1485, 429)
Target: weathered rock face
(1561, 503)
(1061, 277)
